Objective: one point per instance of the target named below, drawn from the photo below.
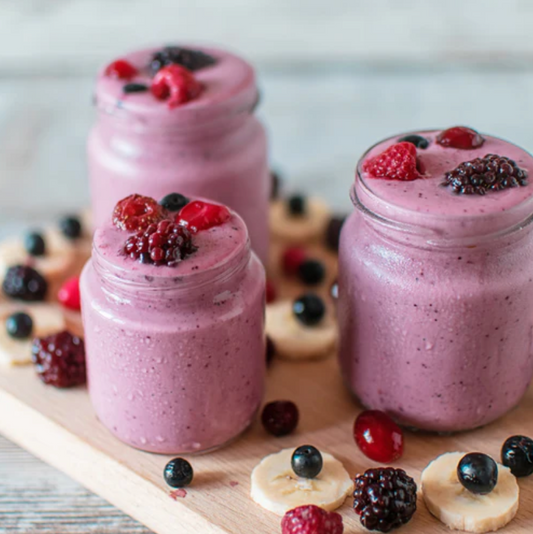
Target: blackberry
(70, 227)
(311, 272)
(192, 60)
(24, 283)
(280, 418)
(178, 473)
(417, 140)
(384, 498)
(34, 244)
(19, 325)
(482, 175)
(135, 88)
(517, 455)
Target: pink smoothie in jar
(436, 292)
(175, 355)
(211, 146)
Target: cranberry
(398, 162)
(291, 260)
(311, 519)
(176, 85)
(137, 213)
(198, 215)
(121, 69)
(69, 294)
(270, 291)
(378, 436)
(460, 137)
(280, 417)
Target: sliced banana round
(299, 229)
(47, 319)
(458, 508)
(278, 489)
(296, 341)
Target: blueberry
(333, 232)
(174, 202)
(309, 309)
(34, 244)
(417, 140)
(311, 272)
(478, 473)
(178, 473)
(19, 325)
(297, 205)
(70, 227)
(135, 88)
(306, 461)
(517, 455)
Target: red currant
(199, 215)
(69, 294)
(291, 260)
(460, 137)
(121, 69)
(175, 84)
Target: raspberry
(198, 215)
(280, 417)
(136, 212)
(164, 243)
(59, 360)
(121, 69)
(192, 60)
(24, 283)
(481, 175)
(311, 519)
(175, 84)
(291, 260)
(398, 162)
(460, 137)
(384, 498)
(69, 294)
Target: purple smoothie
(212, 146)
(175, 355)
(436, 293)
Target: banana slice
(294, 340)
(460, 509)
(278, 489)
(47, 319)
(299, 229)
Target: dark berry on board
(24, 283)
(309, 309)
(19, 325)
(275, 180)
(311, 272)
(482, 175)
(280, 418)
(417, 140)
(135, 88)
(34, 244)
(192, 60)
(460, 137)
(333, 232)
(517, 455)
(70, 227)
(59, 360)
(174, 201)
(311, 519)
(307, 461)
(178, 473)
(478, 473)
(270, 350)
(384, 498)
(297, 205)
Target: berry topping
(333, 232)
(481, 175)
(270, 349)
(34, 244)
(59, 360)
(275, 180)
(198, 215)
(174, 201)
(176, 85)
(311, 519)
(19, 326)
(384, 498)
(270, 291)
(378, 436)
(24, 283)
(309, 309)
(190, 59)
(517, 455)
(311, 272)
(70, 227)
(178, 473)
(417, 140)
(460, 137)
(307, 461)
(297, 205)
(69, 294)
(334, 290)
(121, 69)
(398, 162)
(478, 473)
(291, 260)
(280, 417)
(135, 88)
(136, 213)
(164, 243)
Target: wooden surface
(60, 428)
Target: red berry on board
(280, 417)
(398, 162)
(378, 436)
(270, 291)
(311, 519)
(176, 85)
(69, 294)
(460, 137)
(121, 69)
(198, 215)
(136, 212)
(291, 260)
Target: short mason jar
(436, 294)
(176, 356)
(212, 147)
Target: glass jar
(176, 356)
(436, 295)
(212, 146)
